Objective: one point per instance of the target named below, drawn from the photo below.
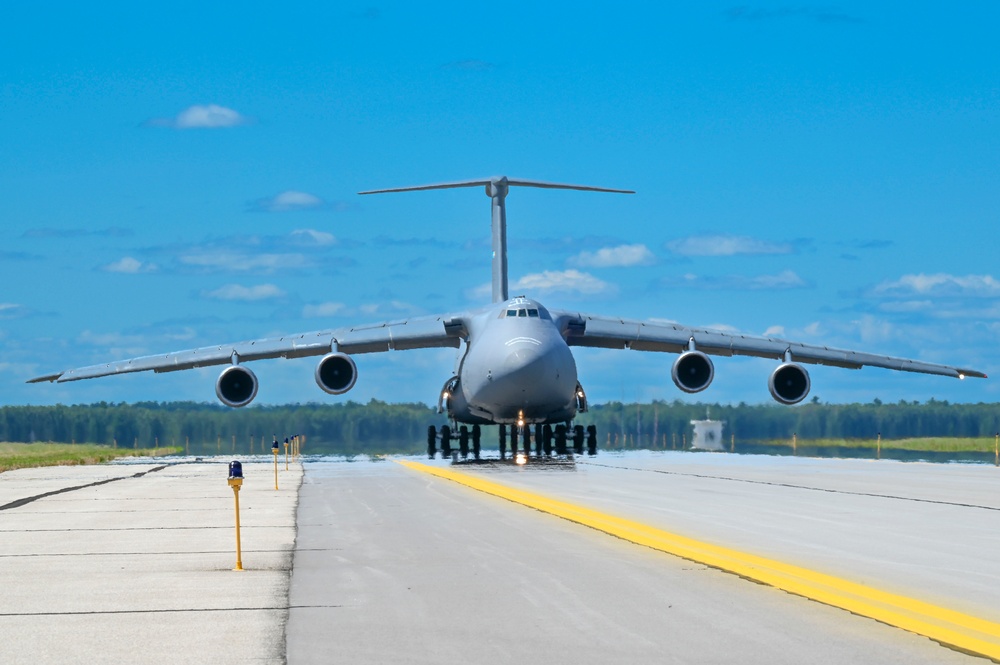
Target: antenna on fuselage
(497, 188)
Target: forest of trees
(351, 427)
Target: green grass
(24, 455)
(928, 444)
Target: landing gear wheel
(578, 439)
(547, 439)
(538, 440)
(513, 441)
(560, 439)
(476, 434)
(591, 440)
(431, 441)
(445, 442)
(503, 442)
(463, 441)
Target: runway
(395, 565)
(132, 563)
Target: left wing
(418, 333)
(613, 333)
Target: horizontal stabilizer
(514, 182)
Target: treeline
(661, 424)
(350, 427)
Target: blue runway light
(274, 446)
(235, 469)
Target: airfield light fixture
(236, 482)
(286, 453)
(274, 449)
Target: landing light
(961, 376)
(520, 423)
(520, 459)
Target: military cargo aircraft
(515, 365)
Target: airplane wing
(417, 333)
(612, 333)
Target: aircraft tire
(547, 439)
(463, 441)
(538, 440)
(431, 441)
(476, 437)
(591, 440)
(578, 439)
(445, 441)
(560, 439)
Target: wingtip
(48, 377)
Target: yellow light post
(286, 453)
(236, 481)
(274, 449)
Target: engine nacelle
(336, 373)
(692, 371)
(789, 383)
(236, 386)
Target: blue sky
(186, 174)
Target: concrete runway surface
(133, 563)
(393, 565)
(137, 568)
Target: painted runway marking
(954, 629)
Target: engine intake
(336, 373)
(236, 386)
(789, 383)
(692, 371)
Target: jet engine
(236, 386)
(692, 371)
(336, 373)
(789, 383)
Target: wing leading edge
(429, 332)
(611, 333)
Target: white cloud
(130, 266)
(322, 310)
(775, 331)
(786, 279)
(243, 262)
(561, 280)
(940, 284)
(290, 200)
(12, 310)
(726, 245)
(246, 293)
(313, 237)
(613, 257)
(209, 116)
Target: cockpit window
(511, 312)
(522, 312)
(533, 313)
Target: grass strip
(27, 455)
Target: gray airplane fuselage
(517, 368)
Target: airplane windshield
(524, 313)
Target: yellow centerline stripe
(955, 629)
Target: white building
(707, 434)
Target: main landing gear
(560, 440)
(446, 436)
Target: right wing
(614, 333)
(418, 333)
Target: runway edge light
(236, 482)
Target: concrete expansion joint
(21, 502)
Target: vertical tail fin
(497, 188)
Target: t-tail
(497, 188)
